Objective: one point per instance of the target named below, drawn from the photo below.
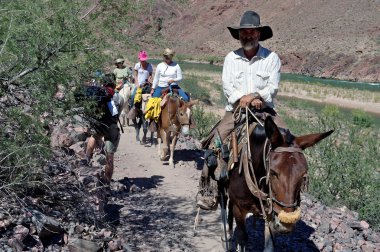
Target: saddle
(232, 151)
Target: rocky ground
(151, 207)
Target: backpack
(103, 112)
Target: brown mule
(279, 169)
(175, 118)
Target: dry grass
(321, 92)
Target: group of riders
(126, 88)
(250, 78)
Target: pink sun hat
(143, 55)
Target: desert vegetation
(50, 48)
(343, 168)
(320, 91)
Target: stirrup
(203, 204)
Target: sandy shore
(345, 103)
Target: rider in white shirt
(168, 74)
(143, 73)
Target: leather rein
(267, 165)
(173, 125)
(249, 172)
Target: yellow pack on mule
(153, 109)
(138, 95)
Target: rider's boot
(208, 190)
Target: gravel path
(155, 211)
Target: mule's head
(184, 115)
(287, 169)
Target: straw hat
(119, 60)
(168, 52)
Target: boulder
(80, 245)
(45, 225)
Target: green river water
(374, 87)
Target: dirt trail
(163, 211)
(155, 209)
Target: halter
(253, 185)
(172, 125)
(267, 165)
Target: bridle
(267, 165)
(172, 125)
(268, 150)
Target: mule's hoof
(171, 162)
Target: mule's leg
(268, 245)
(227, 221)
(137, 122)
(164, 149)
(122, 115)
(145, 129)
(137, 129)
(172, 148)
(159, 140)
(152, 142)
(230, 222)
(242, 236)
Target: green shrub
(205, 121)
(46, 47)
(362, 119)
(190, 84)
(342, 167)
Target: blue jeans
(157, 92)
(132, 98)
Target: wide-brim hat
(119, 60)
(251, 19)
(168, 52)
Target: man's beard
(248, 44)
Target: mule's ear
(273, 133)
(191, 103)
(309, 140)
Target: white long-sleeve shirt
(241, 76)
(165, 72)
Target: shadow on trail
(112, 210)
(298, 240)
(187, 155)
(150, 221)
(144, 183)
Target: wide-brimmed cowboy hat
(251, 19)
(119, 60)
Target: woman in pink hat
(143, 73)
(143, 78)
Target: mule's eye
(273, 173)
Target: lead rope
(224, 219)
(253, 173)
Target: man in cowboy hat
(250, 77)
